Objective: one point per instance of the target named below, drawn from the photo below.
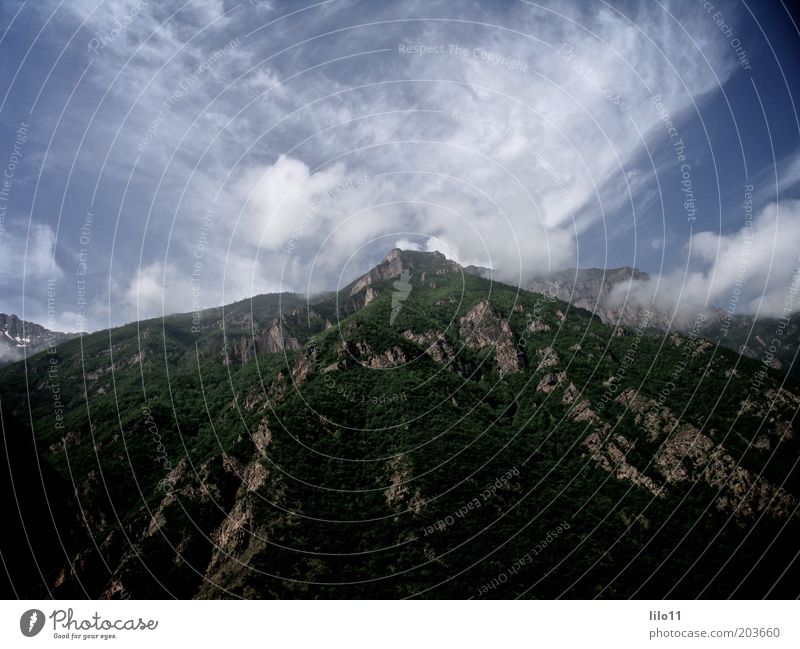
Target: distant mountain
(591, 288)
(423, 432)
(20, 337)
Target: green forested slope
(489, 442)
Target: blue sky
(169, 155)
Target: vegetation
(363, 464)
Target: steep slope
(452, 437)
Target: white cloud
(27, 266)
(35, 254)
(405, 244)
(490, 163)
(747, 271)
(285, 200)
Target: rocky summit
(424, 432)
(19, 338)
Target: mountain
(20, 337)
(591, 289)
(423, 432)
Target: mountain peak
(395, 253)
(396, 260)
(417, 261)
(18, 336)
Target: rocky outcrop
(390, 267)
(580, 409)
(537, 326)
(400, 495)
(236, 530)
(550, 382)
(359, 300)
(276, 341)
(304, 365)
(262, 437)
(272, 339)
(610, 454)
(353, 349)
(482, 328)
(547, 358)
(435, 344)
(421, 264)
(688, 454)
(393, 357)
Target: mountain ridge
(253, 325)
(331, 466)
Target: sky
(160, 157)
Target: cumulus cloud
(751, 270)
(285, 201)
(522, 145)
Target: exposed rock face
(611, 455)
(361, 352)
(780, 399)
(276, 341)
(687, 454)
(96, 516)
(390, 358)
(647, 414)
(70, 439)
(424, 264)
(482, 328)
(270, 340)
(262, 437)
(354, 349)
(551, 382)
(547, 358)
(359, 299)
(196, 484)
(21, 332)
(304, 366)
(399, 494)
(581, 408)
(236, 530)
(537, 326)
(435, 343)
(390, 267)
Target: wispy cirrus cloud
(498, 132)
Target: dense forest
(483, 442)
